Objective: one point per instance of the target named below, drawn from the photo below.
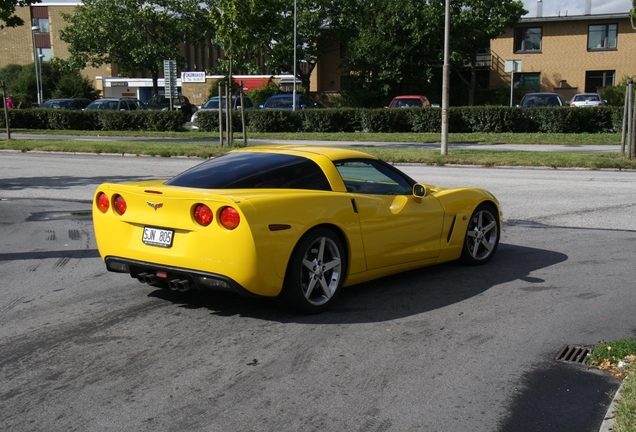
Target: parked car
(409, 101)
(67, 103)
(118, 104)
(540, 100)
(286, 101)
(161, 102)
(226, 224)
(212, 104)
(586, 100)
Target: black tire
(316, 271)
(482, 235)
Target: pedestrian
(10, 103)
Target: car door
(396, 229)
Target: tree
(390, 48)
(247, 30)
(59, 79)
(396, 46)
(240, 27)
(319, 24)
(473, 24)
(136, 34)
(8, 18)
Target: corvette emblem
(155, 206)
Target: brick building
(566, 54)
(17, 47)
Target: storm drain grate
(573, 354)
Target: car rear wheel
(316, 271)
(482, 235)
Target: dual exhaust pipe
(182, 285)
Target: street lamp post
(35, 29)
(41, 81)
(294, 89)
(445, 80)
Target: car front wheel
(316, 271)
(482, 235)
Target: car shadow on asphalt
(398, 296)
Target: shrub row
(460, 120)
(95, 120)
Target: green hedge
(57, 119)
(460, 119)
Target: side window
(367, 176)
(528, 39)
(131, 105)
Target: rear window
(254, 170)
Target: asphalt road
(446, 348)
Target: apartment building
(565, 54)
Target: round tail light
(203, 215)
(229, 218)
(103, 203)
(119, 204)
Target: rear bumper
(175, 278)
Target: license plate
(157, 237)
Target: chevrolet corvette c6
(299, 222)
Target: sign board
(119, 84)
(193, 77)
(170, 77)
(512, 66)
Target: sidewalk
(426, 146)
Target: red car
(410, 101)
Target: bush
(495, 119)
(332, 120)
(70, 120)
(273, 121)
(261, 94)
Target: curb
(608, 421)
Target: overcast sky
(576, 7)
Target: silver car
(212, 104)
(586, 100)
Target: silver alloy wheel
(321, 271)
(482, 235)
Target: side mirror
(420, 191)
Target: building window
(45, 53)
(595, 80)
(43, 23)
(527, 81)
(602, 36)
(528, 39)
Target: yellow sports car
(294, 221)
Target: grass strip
(471, 138)
(485, 158)
(619, 358)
